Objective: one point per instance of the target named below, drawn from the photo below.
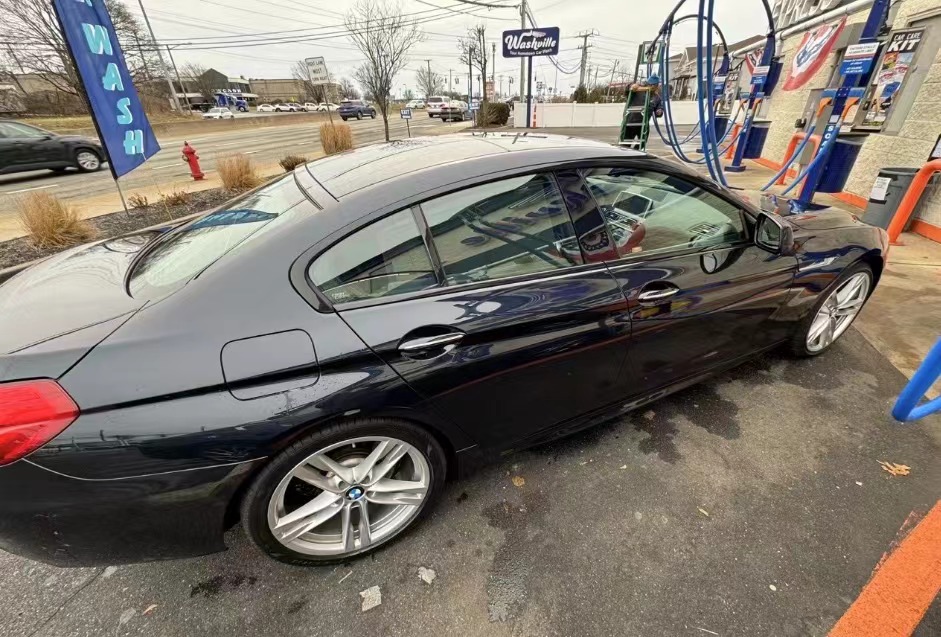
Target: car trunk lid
(53, 313)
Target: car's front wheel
(344, 491)
(87, 160)
(834, 312)
(359, 115)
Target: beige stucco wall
(909, 147)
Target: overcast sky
(621, 25)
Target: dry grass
(335, 138)
(290, 162)
(137, 200)
(64, 124)
(238, 172)
(52, 223)
(175, 198)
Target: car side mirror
(774, 234)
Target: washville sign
(520, 43)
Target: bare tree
(474, 52)
(429, 82)
(348, 90)
(42, 49)
(384, 36)
(195, 77)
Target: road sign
(405, 113)
(524, 43)
(317, 69)
(116, 108)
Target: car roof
(411, 166)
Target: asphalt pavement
(751, 505)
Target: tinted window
(191, 248)
(506, 228)
(384, 258)
(648, 211)
(15, 130)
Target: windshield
(190, 249)
(435, 100)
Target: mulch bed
(20, 250)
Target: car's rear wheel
(836, 310)
(344, 491)
(87, 160)
(343, 118)
(359, 115)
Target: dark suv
(355, 108)
(24, 147)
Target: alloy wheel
(349, 496)
(838, 311)
(87, 160)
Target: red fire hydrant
(191, 158)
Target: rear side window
(384, 258)
(506, 228)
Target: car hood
(817, 217)
(53, 313)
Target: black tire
(359, 115)
(373, 115)
(254, 505)
(343, 118)
(797, 346)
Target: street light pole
(522, 60)
(178, 79)
(163, 65)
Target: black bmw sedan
(317, 357)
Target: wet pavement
(753, 504)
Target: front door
(700, 292)
(495, 318)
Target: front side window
(15, 130)
(386, 257)
(648, 211)
(506, 228)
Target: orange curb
(901, 590)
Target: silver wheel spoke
(307, 517)
(388, 463)
(362, 469)
(827, 336)
(346, 534)
(817, 328)
(390, 491)
(314, 478)
(365, 534)
(325, 463)
(837, 312)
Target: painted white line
(13, 192)
(168, 166)
(249, 152)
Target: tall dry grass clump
(237, 172)
(52, 223)
(290, 162)
(335, 138)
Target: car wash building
(896, 121)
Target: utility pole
(607, 93)
(177, 72)
(470, 76)
(595, 83)
(584, 35)
(522, 60)
(163, 65)
(449, 82)
(493, 69)
(431, 84)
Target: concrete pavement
(751, 505)
(166, 171)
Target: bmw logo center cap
(355, 493)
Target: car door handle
(657, 295)
(430, 342)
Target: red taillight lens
(32, 413)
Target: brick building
(901, 124)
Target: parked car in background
(355, 109)
(310, 107)
(288, 107)
(218, 113)
(434, 104)
(24, 147)
(419, 104)
(454, 111)
(265, 108)
(323, 107)
(399, 321)
(202, 107)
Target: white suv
(434, 105)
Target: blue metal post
(874, 23)
(754, 95)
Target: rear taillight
(32, 413)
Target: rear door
(700, 292)
(479, 301)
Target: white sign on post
(406, 113)
(317, 69)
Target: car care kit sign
(116, 108)
(522, 43)
(812, 53)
